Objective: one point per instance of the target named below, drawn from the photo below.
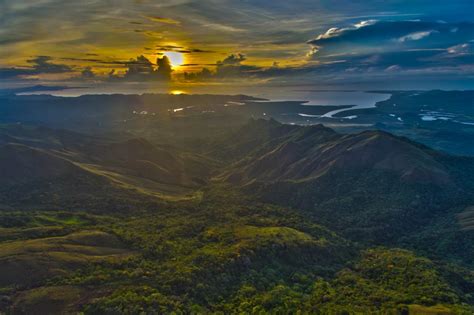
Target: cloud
(416, 35)
(393, 68)
(164, 20)
(391, 35)
(461, 49)
(393, 46)
(336, 32)
(35, 89)
(232, 67)
(87, 73)
(10, 73)
(38, 65)
(181, 49)
(164, 68)
(229, 67)
(43, 64)
(106, 61)
(234, 59)
(365, 23)
(142, 69)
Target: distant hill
(20, 164)
(440, 119)
(34, 178)
(96, 112)
(41, 167)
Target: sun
(177, 92)
(176, 58)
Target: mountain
(19, 164)
(58, 168)
(140, 158)
(98, 112)
(308, 153)
(259, 217)
(34, 178)
(379, 187)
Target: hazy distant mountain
(440, 119)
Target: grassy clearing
(430, 310)
(48, 300)
(32, 261)
(145, 186)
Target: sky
(126, 45)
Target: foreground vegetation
(224, 254)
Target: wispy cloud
(416, 35)
(164, 20)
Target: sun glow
(176, 58)
(177, 92)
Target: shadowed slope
(306, 153)
(43, 167)
(371, 185)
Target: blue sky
(324, 44)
